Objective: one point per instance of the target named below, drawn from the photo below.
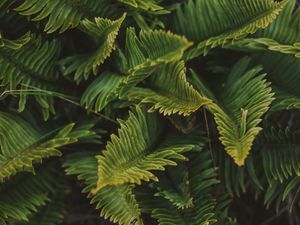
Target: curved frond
(200, 178)
(217, 22)
(28, 58)
(22, 144)
(281, 36)
(283, 72)
(138, 149)
(285, 28)
(175, 187)
(151, 6)
(246, 98)
(263, 44)
(30, 62)
(25, 194)
(148, 52)
(63, 14)
(115, 202)
(280, 153)
(169, 91)
(105, 32)
(101, 91)
(54, 211)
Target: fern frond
(115, 202)
(22, 144)
(63, 15)
(105, 31)
(169, 91)
(284, 29)
(29, 61)
(263, 44)
(280, 160)
(53, 212)
(281, 36)
(101, 91)
(247, 96)
(215, 22)
(201, 181)
(175, 187)
(151, 6)
(148, 52)
(283, 72)
(278, 193)
(25, 194)
(125, 161)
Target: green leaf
(115, 202)
(283, 72)
(246, 98)
(284, 29)
(218, 22)
(63, 14)
(148, 52)
(105, 31)
(175, 187)
(101, 91)
(151, 6)
(138, 149)
(169, 91)
(281, 36)
(201, 178)
(22, 145)
(280, 153)
(27, 66)
(54, 211)
(26, 193)
(263, 44)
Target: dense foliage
(133, 112)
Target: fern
(24, 194)
(245, 99)
(102, 91)
(280, 36)
(22, 145)
(170, 92)
(104, 30)
(62, 14)
(116, 202)
(200, 183)
(147, 53)
(159, 112)
(136, 161)
(234, 20)
(28, 62)
(284, 78)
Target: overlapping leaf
(29, 63)
(25, 194)
(281, 36)
(145, 54)
(22, 144)
(217, 22)
(105, 31)
(198, 181)
(138, 149)
(169, 91)
(246, 97)
(63, 15)
(114, 202)
(101, 91)
(283, 72)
